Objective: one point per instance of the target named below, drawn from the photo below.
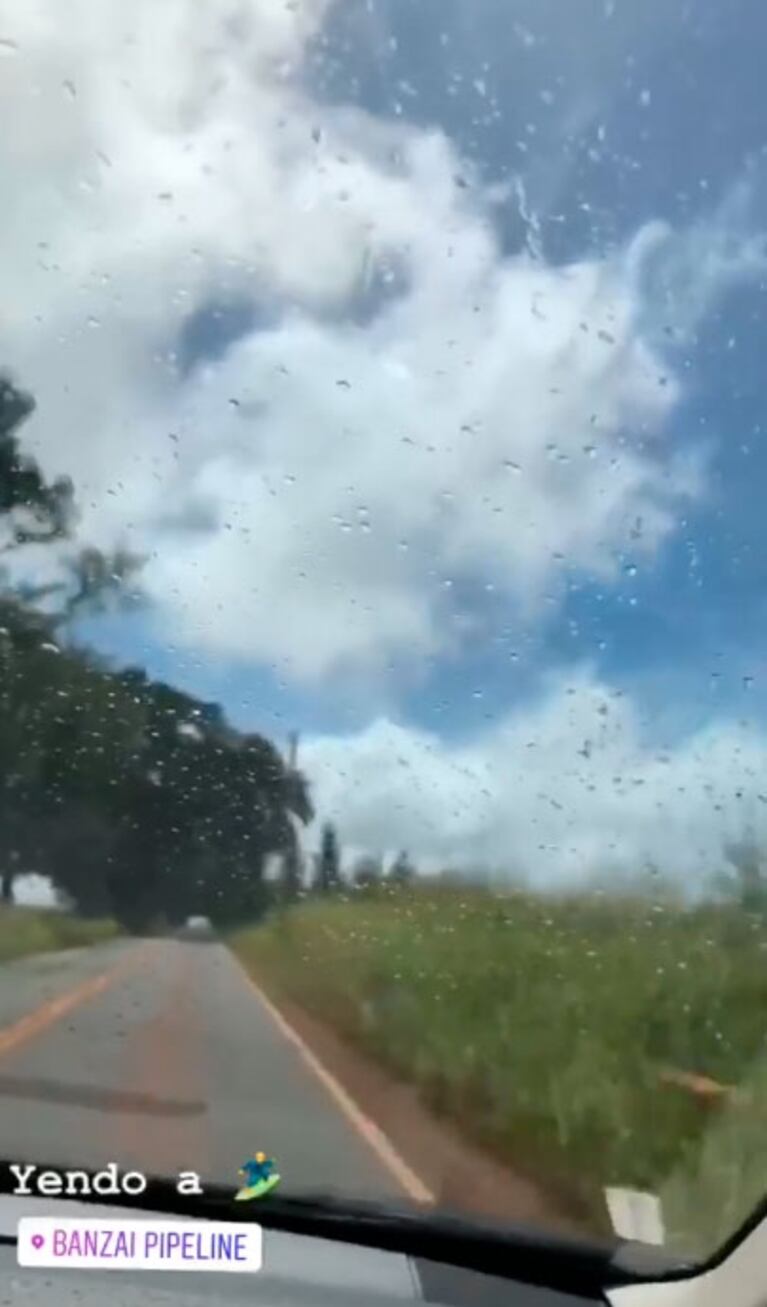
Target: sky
(417, 347)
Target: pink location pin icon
(37, 1241)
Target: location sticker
(139, 1245)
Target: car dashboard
(298, 1271)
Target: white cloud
(349, 511)
(502, 419)
(558, 791)
(498, 422)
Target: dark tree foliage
(35, 511)
(402, 870)
(328, 862)
(367, 873)
(135, 798)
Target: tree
(32, 511)
(35, 511)
(328, 863)
(99, 582)
(402, 871)
(368, 873)
(750, 879)
(292, 877)
(205, 809)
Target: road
(161, 1056)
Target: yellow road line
(372, 1134)
(47, 1014)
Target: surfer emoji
(261, 1176)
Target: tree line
(367, 872)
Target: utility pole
(292, 861)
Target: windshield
(383, 743)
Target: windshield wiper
(529, 1255)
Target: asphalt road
(160, 1055)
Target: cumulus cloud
(560, 791)
(474, 431)
(423, 412)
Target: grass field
(31, 930)
(543, 1027)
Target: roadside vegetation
(32, 930)
(587, 1040)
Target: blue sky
(374, 257)
(674, 139)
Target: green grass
(31, 930)
(541, 1024)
